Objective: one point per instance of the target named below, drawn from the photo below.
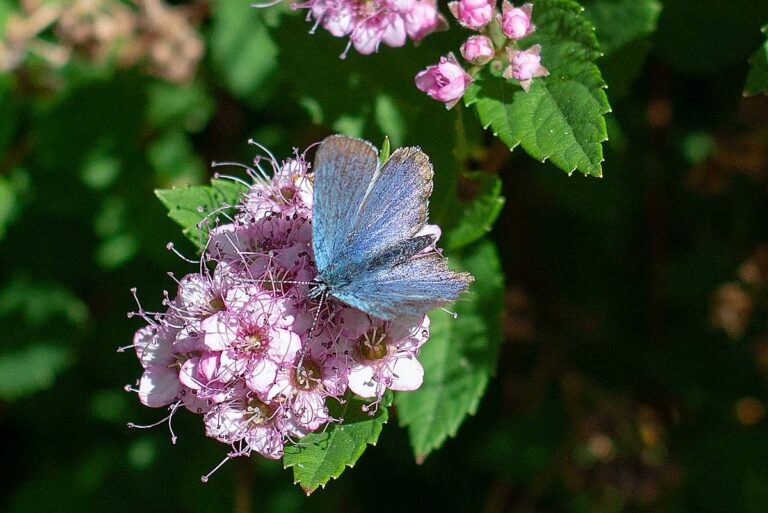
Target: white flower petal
(407, 373)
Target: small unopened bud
(477, 49)
(516, 21)
(473, 14)
(525, 66)
(445, 81)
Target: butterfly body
(366, 229)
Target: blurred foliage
(631, 349)
(757, 80)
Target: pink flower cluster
(447, 80)
(243, 345)
(372, 22)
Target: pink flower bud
(516, 21)
(445, 81)
(525, 65)
(477, 49)
(473, 14)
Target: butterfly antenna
(452, 314)
(315, 319)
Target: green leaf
(459, 357)
(241, 47)
(189, 205)
(561, 117)
(37, 303)
(189, 106)
(623, 28)
(174, 159)
(322, 456)
(757, 79)
(8, 205)
(389, 119)
(31, 369)
(385, 151)
(477, 216)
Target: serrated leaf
(322, 456)
(459, 357)
(189, 205)
(561, 117)
(476, 218)
(757, 79)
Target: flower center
(308, 376)
(253, 341)
(217, 304)
(287, 193)
(372, 345)
(258, 412)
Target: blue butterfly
(365, 231)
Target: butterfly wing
(411, 288)
(344, 168)
(395, 206)
(364, 233)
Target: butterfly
(366, 231)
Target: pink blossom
(367, 34)
(423, 19)
(370, 23)
(159, 385)
(211, 374)
(473, 14)
(248, 423)
(445, 81)
(383, 354)
(478, 49)
(243, 343)
(516, 21)
(304, 386)
(525, 66)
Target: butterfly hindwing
(344, 168)
(411, 288)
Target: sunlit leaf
(323, 455)
(190, 205)
(561, 117)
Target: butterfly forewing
(395, 206)
(344, 168)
